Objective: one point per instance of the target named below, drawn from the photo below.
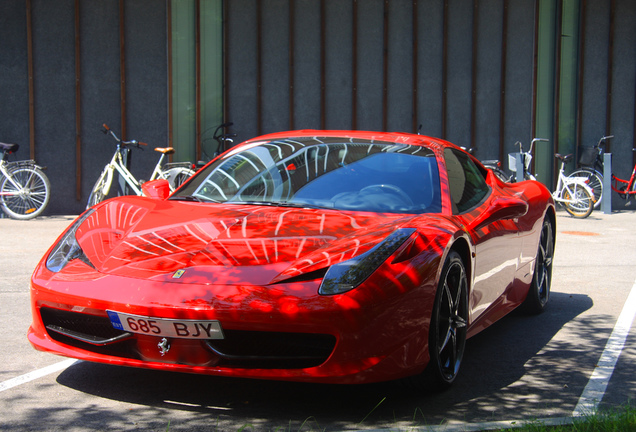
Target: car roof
(434, 144)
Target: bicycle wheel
(25, 193)
(594, 180)
(101, 188)
(581, 204)
(176, 176)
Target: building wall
(464, 70)
(69, 109)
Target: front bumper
(377, 332)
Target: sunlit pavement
(522, 368)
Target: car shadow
(495, 363)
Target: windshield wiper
(280, 204)
(186, 198)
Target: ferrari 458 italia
(319, 256)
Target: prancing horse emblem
(164, 346)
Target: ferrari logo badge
(164, 346)
(178, 274)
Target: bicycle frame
(156, 173)
(117, 164)
(629, 188)
(564, 184)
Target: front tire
(539, 292)
(447, 333)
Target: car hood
(224, 244)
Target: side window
(467, 184)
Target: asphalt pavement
(519, 369)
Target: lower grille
(88, 332)
(239, 349)
(279, 350)
(92, 327)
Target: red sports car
(324, 256)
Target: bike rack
(519, 163)
(606, 203)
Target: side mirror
(500, 209)
(156, 189)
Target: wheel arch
(550, 215)
(463, 248)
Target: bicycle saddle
(9, 148)
(165, 150)
(563, 158)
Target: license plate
(173, 328)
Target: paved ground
(521, 368)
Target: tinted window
(467, 184)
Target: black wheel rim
(544, 264)
(451, 319)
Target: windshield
(337, 173)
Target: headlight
(347, 275)
(67, 249)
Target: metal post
(521, 168)
(606, 203)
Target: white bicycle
(571, 192)
(176, 172)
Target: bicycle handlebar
(222, 138)
(108, 131)
(518, 143)
(603, 140)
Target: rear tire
(31, 196)
(539, 292)
(594, 180)
(581, 204)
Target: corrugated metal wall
(463, 69)
(93, 62)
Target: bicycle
(572, 193)
(176, 173)
(24, 188)
(591, 168)
(495, 165)
(625, 188)
(221, 140)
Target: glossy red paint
(259, 268)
